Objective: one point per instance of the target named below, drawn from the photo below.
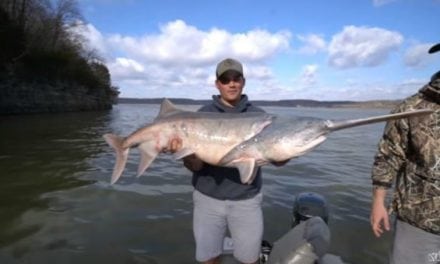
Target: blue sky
(310, 49)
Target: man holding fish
(221, 200)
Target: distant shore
(379, 104)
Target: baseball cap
(228, 65)
(434, 48)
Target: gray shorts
(414, 245)
(243, 218)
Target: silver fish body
(207, 135)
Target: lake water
(57, 206)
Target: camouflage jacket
(409, 157)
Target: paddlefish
(207, 135)
(244, 141)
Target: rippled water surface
(56, 204)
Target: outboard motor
(309, 239)
(308, 205)
(307, 242)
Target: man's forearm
(379, 194)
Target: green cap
(227, 65)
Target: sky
(310, 49)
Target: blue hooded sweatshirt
(221, 182)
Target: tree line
(39, 44)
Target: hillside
(285, 103)
(44, 66)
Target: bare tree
(64, 14)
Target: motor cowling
(307, 205)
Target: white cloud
(359, 91)
(181, 58)
(382, 2)
(94, 39)
(362, 46)
(258, 72)
(180, 44)
(312, 44)
(179, 61)
(308, 75)
(417, 55)
(130, 64)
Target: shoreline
(373, 104)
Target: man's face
(230, 85)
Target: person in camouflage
(409, 156)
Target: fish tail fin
(121, 155)
(333, 126)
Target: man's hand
(191, 162)
(174, 145)
(280, 163)
(379, 218)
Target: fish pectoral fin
(148, 154)
(247, 169)
(183, 153)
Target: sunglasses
(227, 79)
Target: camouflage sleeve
(390, 156)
